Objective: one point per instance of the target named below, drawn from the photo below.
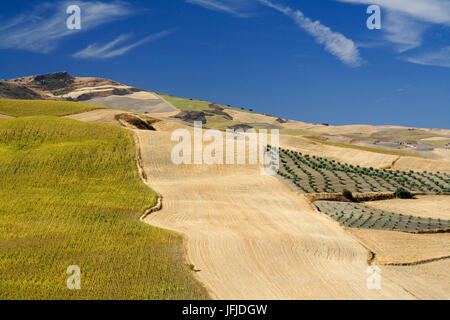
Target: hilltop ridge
(62, 86)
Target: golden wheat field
(18, 108)
(71, 195)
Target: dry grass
(437, 207)
(426, 281)
(376, 150)
(392, 247)
(251, 237)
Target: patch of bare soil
(242, 127)
(215, 109)
(136, 121)
(191, 116)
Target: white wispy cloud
(234, 7)
(44, 27)
(407, 20)
(439, 58)
(110, 49)
(404, 32)
(335, 43)
(433, 11)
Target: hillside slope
(250, 237)
(71, 195)
(430, 143)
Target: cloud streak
(42, 29)
(110, 49)
(334, 42)
(406, 23)
(230, 6)
(433, 11)
(407, 20)
(404, 32)
(440, 58)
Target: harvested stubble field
(71, 195)
(436, 207)
(362, 148)
(428, 281)
(356, 215)
(249, 236)
(227, 212)
(311, 174)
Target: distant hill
(61, 86)
(14, 91)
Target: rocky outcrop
(191, 116)
(13, 91)
(243, 127)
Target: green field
(297, 132)
(185, 103)
(188, 104)
(21, 108)
(71, 195)
(437, 143)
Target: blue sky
(314, 61)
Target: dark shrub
(348, 194)
(403, 194)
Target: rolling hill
(76, 159)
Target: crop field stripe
(375, 150)
(24, 108)
(347, 214)
(316, 174)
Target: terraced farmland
(356, 215)
(311, 174)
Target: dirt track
(250, 237)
